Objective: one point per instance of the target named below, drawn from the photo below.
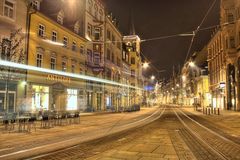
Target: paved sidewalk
(228, 121)
(14, 142)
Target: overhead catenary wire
(198, 28)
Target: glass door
(2, 98)
(10, 106)
(11, 102)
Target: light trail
(72, 75)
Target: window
(232, 42)
(89, 55)
(230, 18)
(113, 58)
(64, 66)
(113, 39)
(9, 9)
(108, 54)
(35, 5)
(133, 73)
(60, 17)
(41, 30)
(119, 44)
(82, 49)
(118, 62)
(238, 37)
(90, 3)
(81, 70)
(97, 33)
(72, 99)
(76, 28)
(89, 30)
(53, 63)
(74, 46)
(54, 36)
(40, 98)
(132, 60)
(97, 58)
(65, 41)
(39, 59)
(108, 35)
(101, 15)
(226, 42)
(73, 68)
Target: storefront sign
(57, 78)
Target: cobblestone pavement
(15, 145)
(166, 138)
(172, 136)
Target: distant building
(131, 50)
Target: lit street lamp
(152, 77)
(191, 64)
(145, 65)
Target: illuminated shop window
(40, 98)
(71, 99)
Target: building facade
(113, 63)
(55, 44)
(13, 17)
(94, 18)
(223, 57)
(132, 50)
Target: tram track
(220, 146)
(147, 120)
(190, 138)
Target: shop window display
(40, 97)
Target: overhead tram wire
(198, 28)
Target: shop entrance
(99, 101)
(8, 106)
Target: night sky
(155, 18)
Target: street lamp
(145, 65)
(191, 64)
(152, 77)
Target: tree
(12, 49)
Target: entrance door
(10, 106)
(99, 101)
(2, 98)
(11, 101)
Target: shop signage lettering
(57, 78)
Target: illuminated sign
(58, 78)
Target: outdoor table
(22, 122)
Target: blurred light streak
(44, 70)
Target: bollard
(206, 111)
(203, 110)
(214, 110)
(209, 111)
(218, 111)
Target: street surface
(177, 134)
(167, 132)
(21, 145)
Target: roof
(72, 13)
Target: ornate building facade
(223, 58)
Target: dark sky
(154, 18)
